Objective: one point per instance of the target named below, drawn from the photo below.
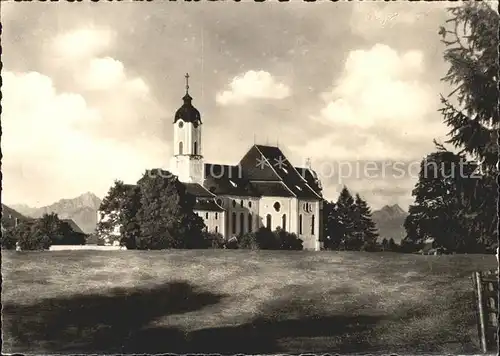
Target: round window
(181, 124)
(219, 201)
(277, 206)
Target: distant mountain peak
(394, 210)
(81, 209)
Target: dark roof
(73, 225)
(207, 205)
(197, 190)
(269, 163)
(311, 178)
(187, 112)
(227, 180)
(256, 167)
(272, 189)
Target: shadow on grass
(119, 322)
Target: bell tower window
(195, 148)
(180, 148)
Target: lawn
(230, 301)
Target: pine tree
(474, 122)
(392, 245)
(332, 226)
(385, 244)
(366, 232)
(346, 214)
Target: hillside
(390, 220)
(9, 217)
(82, 210)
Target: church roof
(187, 112)
(198, 191)
(311, 178)
(263, 171)
(269, 163)
(207, 205)
(223, 179)
(272, 189)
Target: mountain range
(390, 222)
(82, 210)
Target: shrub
(248, 241)
(31, 237)
(213, 240)
(288, 241)
(267, 240)
(8, 240)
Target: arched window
(216, 216)
(234, 222)
(283, 222)
(249, 204)
(216, 229)
(241, 203)
(242, 223)
(195, 147)
(206, 215)
(312, 225)
(300, 224)
(234, 203)
(180, 148)
(250, 222)
(268, 221)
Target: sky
(90, 91)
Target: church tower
(187, 160)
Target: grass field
(230, 301)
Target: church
(262, 189)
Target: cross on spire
(187, 82)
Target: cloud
(376, 108)
(83, 42)
(253, 85)
(105, 128)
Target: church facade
(262, 189)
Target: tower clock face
(181, 124)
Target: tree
(112, 208)
(438, 210)
(471, 109)
(392, 245)
(385, 244)
(8, 239)
(365, 230)
(60, 232)
(31, 237)
(332, 233)
(165, 217)
(346, 212)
